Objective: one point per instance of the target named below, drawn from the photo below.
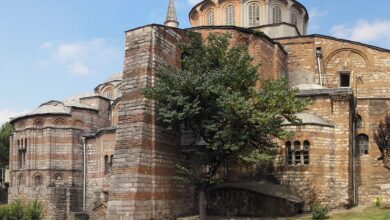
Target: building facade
(129, 158)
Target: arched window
(294, 19)
(230, 15)
(306, 152)
(59, 122)
(119, 93)
(210, 18)
(358, 121)
(110, 164)
(297, 153)
(38, 180)
(59, 180)
(276, 14)
(21, 180)
(254, 14)
(108, 94)
(106, 165)
(289, 153)
(38, 123)
(361, 144)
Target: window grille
(277, 15)
(254, 14)
(230, 15)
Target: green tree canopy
(5, 133)
(215, 93)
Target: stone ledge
(196, 217)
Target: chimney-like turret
(171, 20)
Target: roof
(263, 187)
(295, 1)
(114, 77)
(51, 107)
(309, 86)
(60, 108)
(310, 119)
(335, 39)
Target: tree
(5, 133)
(382, 135)
(215, 94)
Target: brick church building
(104, 153)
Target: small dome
(51, 107)
(310, 118)
(309, 86)
(114, 77)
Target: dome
(276, 18)
(114, 77)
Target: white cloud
(78, 68)
(315, 16)
(6, 114)
(374, 32)
(80, 58)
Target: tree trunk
(202, 204)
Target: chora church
(104, 154)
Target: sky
(54, 49)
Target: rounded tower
(276, 18)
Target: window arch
(210, 18)
(276, 14)
(362, 141)
(106, 165)
(59, 122)
(297, 153)
(358, 121)
(294, 18)
(59, 180)
(230, 15)
(21, 180)
(21, 125)
(306, 152)
(38, 180)
(289, 153)
(108, 94)
(78, 123)
(254, 14)
(38, 123)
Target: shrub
(18, 210)
(378, 201)
(320, 212)
(34, 211)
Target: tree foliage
(5, 133)
(382, 135)
(216, 94)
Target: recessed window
(358, 121)
(210, 18)
(289, 153)
(297, 154)
(294, 19)
(362, 144)
(276, 15)
(230, 15)
(345, 79)
(254, 14)
(306, 149)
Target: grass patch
(372, 213)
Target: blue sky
(53, 49)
